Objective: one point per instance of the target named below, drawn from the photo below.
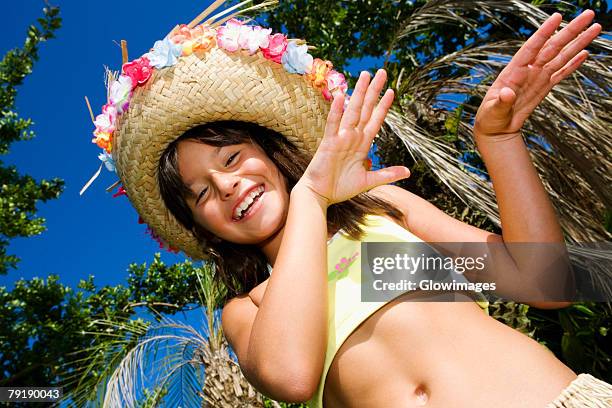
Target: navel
(421, 396)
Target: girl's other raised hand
(337, 172)
(541, 63)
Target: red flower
(276, 48)
(121, 191)
(138, 70)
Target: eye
(231, 159)
(201, 195)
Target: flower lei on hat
(233, 36)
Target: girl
(249, 198)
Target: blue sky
(93, 234)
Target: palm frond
(443, 160)
(181, 365)
(568, 134)
(468, 14)
(88, 369)
(161, 358)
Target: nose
(226, 184)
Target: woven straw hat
(202, 88)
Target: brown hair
(241, 267)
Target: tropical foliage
(20, 193)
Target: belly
(441, 354)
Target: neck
(271, 246)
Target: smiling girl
(275, 192)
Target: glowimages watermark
(522, 272)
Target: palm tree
(165, 362)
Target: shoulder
(237, 319)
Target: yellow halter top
(346, 311)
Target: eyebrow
(193, 194)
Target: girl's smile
(248, 204)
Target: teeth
(248, 200)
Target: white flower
(164, 53)
(108, 161)
(255, 38)
(296, 59)
(120, 92)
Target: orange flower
(203, 39)
(318, 73)
(200, 38)
(180, 34)
(104, 140)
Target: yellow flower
(318, 73)
(103, 140)
(200, 38)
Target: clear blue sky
(93, 234)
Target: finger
(573, 48)
(386, 176)
(371, 98)
(553, 46)
(378, 116)
(527, 53)
(505, 100)
(334, 116)
(569, 67)
(350, 119)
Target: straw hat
(229, 72)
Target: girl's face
(238, 195)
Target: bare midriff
(441, 354)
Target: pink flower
(229, 34)
(336, 84)
(254, 38)
(276, 48)
(138, 70)
(105, 122)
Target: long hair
(241, 267)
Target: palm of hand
(541, 63)
(348, 174)
(337, 172)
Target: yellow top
(346, 310)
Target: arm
(543, 61)
(526, 213)
(432, 225)
(281, 345)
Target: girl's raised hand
(541, 63)
(337, 171)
